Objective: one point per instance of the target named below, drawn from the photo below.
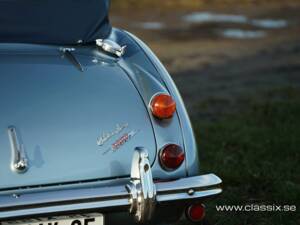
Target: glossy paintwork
(191, 151)
(138, 69)
(60, 112)
(71, 109)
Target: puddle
(243, 34)
(206, 17)
(269, 24)
(151, 25)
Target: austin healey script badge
(105, 136)
(119, 142)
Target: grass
(255, 150)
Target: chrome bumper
(139, 196)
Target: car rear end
(108, 140)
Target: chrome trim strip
(68, 53)
(118, 198)
(35, 212)
(186, 196)
(19, 162)
(139, 196)
(62, 197)
(197, 183)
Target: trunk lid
(72, 125)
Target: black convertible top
(53, 21)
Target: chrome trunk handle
(19, 162)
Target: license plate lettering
(89, 221)
(71, 220)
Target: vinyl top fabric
(53, 21)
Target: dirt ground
(206, 65)
(242, 92)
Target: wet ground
(238, 70)
(228, 52)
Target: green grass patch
(256, 153)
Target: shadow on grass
(256, 153)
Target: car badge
(105, 136)
(121, 141)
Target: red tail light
(196, 212)
(171, 157)
(163, 106)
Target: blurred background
(237, 66)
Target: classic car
(92, 127)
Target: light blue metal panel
(60, 112)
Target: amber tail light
(171, 157)
(162, 106)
